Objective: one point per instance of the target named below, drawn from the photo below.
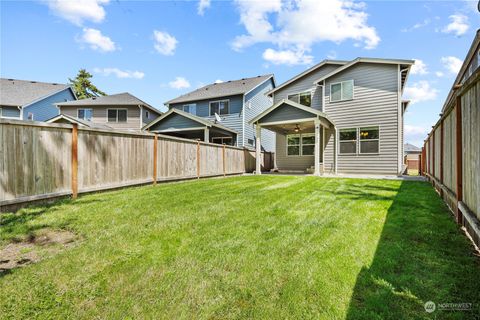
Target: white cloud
(439, 74)
(123, 74)
(419, 67)
(452, 64)
(288, 57)
(458, 25)
(420, 91)
(297, 25)
(164, 42)
(96, 40)
(418, 25)
(78, 11)
(202, 6)
(218, 81)
(415, 134)
(179, 83)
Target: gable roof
(408, 147)
(311, 110)
(306, 72)
(79, 121)
(190, 116)
(119, 99)
(222, 89)
(408, 63)
(19, 93)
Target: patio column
(317, 147)
(206, 135)
(258, 153)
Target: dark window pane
(369, 146)
(293, 140)
(308, 150)
(81, 113)
(348, 147)
(308, 139)
(336, 93)
(348, 134)
(213, 108)
(306, 99)
(112, 115)
(122, 115)
(223, 107)
(369, 133)
(293, 151)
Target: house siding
(10, 112)
(294, 163)
(100, 115)
(306, 83)
(256, 102)
(375, 103)
(151, 115)
(176, 121)
(45, 109)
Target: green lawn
(270, 247)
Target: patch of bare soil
(36, 246)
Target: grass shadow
(421, 256)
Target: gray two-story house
(220, 113)
(339, 117)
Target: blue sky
(158, 50)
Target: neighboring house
(411, 152)
(118, 111)
(340, 116)
(63, 118)
(32, 100)
(193, 115)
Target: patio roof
(292, 112)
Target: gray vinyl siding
(151, 116)
(176, 121)
(306, 83)
(375, 103)
(256, 102)
(10, 112)
(286, 112)
(100, 115)
(45, 109)
(233, 120)
(294, 163)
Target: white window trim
(210, 107)
(341, 91)
(360, 141)
(78, 109)
(222, 140)
(126, 119)
(4, 117)
(356, 142)
(299, 93)
(147, 114)
(300, 145)
(33, 116)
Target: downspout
(141, 116)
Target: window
(219, 107)
(30, 116)
(223, 140)
(348, 141)
(341, 91)
(147, 114)
(301, 144)
(190, 108)
(117, 115)
(250, 142)
(304, 98)
(369, 140)
(85, 114)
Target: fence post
(74, 161)
(420, 164)
(155, 146)
(223, 159)
(198, 159)
(458, 156)
(441, 157)
(433, 156)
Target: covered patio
(302, 134)
(185, 125)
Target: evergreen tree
(83, 87)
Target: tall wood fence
(452, 153)
(39, 160)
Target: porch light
(297, 128)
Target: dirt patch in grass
(34, 248)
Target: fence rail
(39, 160)
(452, 153)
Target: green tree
(83, 87)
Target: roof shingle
(18, 93)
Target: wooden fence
(39, 160)
(452, 153)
